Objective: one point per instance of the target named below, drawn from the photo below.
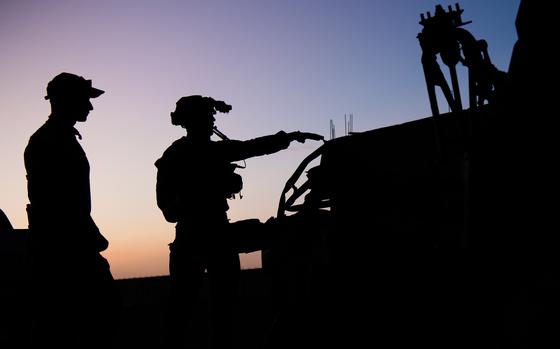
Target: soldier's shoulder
(172, 152)
(41, 136)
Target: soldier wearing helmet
(194, 180)
(73, 292)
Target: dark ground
(144, 303)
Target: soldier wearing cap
(73, 294)
(194, 180)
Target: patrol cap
(67, 84)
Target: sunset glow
(283, 65)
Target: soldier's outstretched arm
(240, 150)
(303, 136)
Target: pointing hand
(303, 136)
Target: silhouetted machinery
(409, 181)
(404, 233)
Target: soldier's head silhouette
(69, 96)
(196, 114)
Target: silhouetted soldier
(195, 178)
(73, 293)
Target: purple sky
(283, 65)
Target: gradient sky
(283, 65)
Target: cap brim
(95, 92)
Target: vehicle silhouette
(434, 231)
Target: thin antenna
(345, 126)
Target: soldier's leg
(101, 303)
(223, 270)
(186, 270)
(51, 303)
